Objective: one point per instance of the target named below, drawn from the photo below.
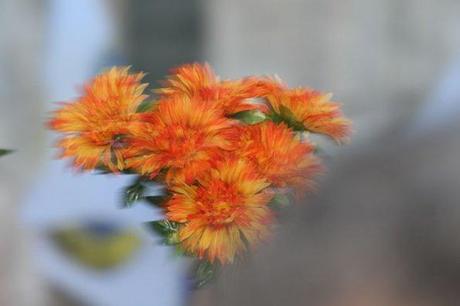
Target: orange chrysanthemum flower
(97, 122)
(278, 154)
(181, 136)
(227, 209)
(303, 108)
(199, 81)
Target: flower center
(118, 141)
(219, 203)
(182, 145)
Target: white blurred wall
(21, 103)
(379, 57)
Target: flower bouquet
(227, 153)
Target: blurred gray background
(394, 64)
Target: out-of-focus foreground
(387, 208)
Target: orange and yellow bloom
(200, 82)
(278, 154)
(303, 108)
(313, 110)
(96, 124)
(224, 211)
(181, 136)
(221, 148)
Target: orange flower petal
(98, 120)
(216, 214)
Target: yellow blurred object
(97, 245)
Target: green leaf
(102, 169)
(286, 116)
(168, 230)
(250, 116)
(163, 227)
(145, 106)
(280, 201)
(157, 201)
(172, 238)
(144, 189)
(179, 251)
(133, 193)
(5, 152)
(289, 118)
(204, 272)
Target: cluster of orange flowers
(223, 148)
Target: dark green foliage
(102, 169)
(141, 190)
(133, 193)
(5, 152)
(145, 106)
(203, 272)
(280, 201)
(286, 116)
(156, 201)
(167, 230)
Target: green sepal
(133, 193)
(102, 169)
(280, 201)
(250, 116)
(286, 116)
(172, 239)
(203, 272)
(179, 251)
(145, 106)
(167, 230)
(140, 190)
(5, 152)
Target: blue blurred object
(443, 104)
(80, 36)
